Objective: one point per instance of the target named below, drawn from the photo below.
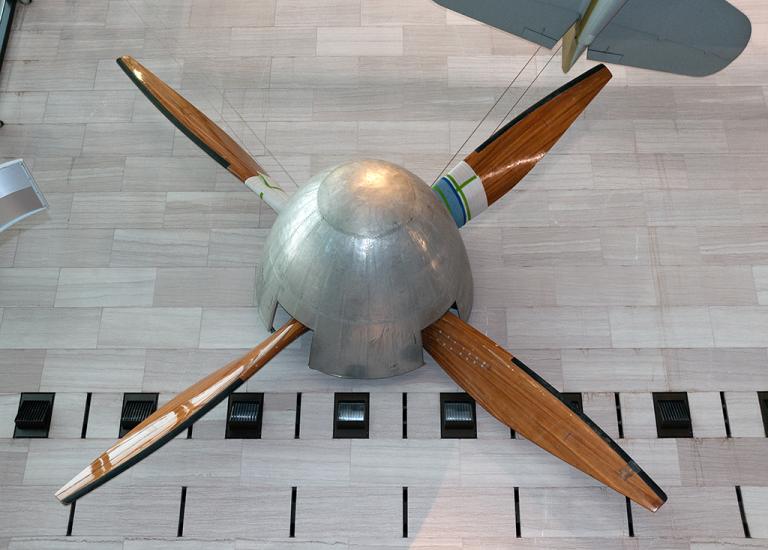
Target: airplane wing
(541, 21)
(690, 37)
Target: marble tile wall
(632, 260)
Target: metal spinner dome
(366, 256)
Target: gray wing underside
(541, 21)
(690, 37)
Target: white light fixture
(20, 196)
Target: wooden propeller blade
(176, 415)
(187, 118)
(507, 156)
(203, 132)
(516, 396)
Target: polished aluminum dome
(366, 256)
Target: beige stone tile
(359, 41)
(673, 327)
(258, 13)
(551, 246)
(680, 136)
(637, 415)
(447, 512)
(66, 328)
(552, 512)
(401, 12)
(8, 241)
(89, 106)
(22, 107)
(104, 420)
(723, 462)
(706, 414)
(28, 286)
(675, 245)
(744, 414)
(33, 44)
(146, 138)
(715, 369)
(273, 41)
(625, 246)
(150, 328)
(143, 511)
(739, 326)
(279, 418)
(64, 248)
(234, 327)
(316, 416)
(219, 209)
(39, 74)
(760, 273)
(693, 208)
(733, 245)
(692, 512)
(67, 418)
(124, 210)
(756, 510)
(191, 463)
(172, 371)
(706, 285)
(211, 512)
(613, 370)
(557, 327)
(25, 140)
(9, 406)
(13, 453)
(101, 370)
(159, 247)
(21, 370)
(596, 208)
(311, 137)
(514, 287)
(406, 463)
(589, 286)
(204, 287)
(341, 514)
(236, 247)
(515, 463)
(31, 511)
(95, 174)
(297, 462)
(105, 287)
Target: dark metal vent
(351, 418)
(574, 401)
(457, 416)
(33, 418)
(673, 416)
(136, 408)
(244, 415)
(763, 398)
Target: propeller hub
(367, 256)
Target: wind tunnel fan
(370, 259)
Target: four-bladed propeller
(498, 381)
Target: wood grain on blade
(176, 415)
(516, 396)
(195, 125)
(508, 155)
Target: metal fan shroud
(367, 257)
